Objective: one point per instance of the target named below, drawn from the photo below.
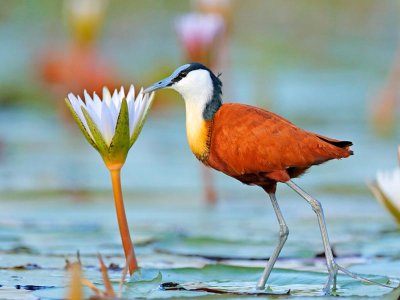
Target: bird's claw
(328, 291)
(329, 288)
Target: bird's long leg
(316, 206)
(333, 267)
(283, 234)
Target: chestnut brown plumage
(258, 147)
(255, 146)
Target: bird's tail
(340, 144)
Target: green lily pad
(232, 288)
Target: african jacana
(254, 146)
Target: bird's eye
(180, 75)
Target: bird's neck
(199, 119)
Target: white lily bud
(111, 124)
(386, 188)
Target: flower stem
(122, 222)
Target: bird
(256, 147)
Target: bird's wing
(250, 140)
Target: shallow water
(56, 200)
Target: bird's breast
(198, 133)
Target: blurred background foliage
(318, 63)
(138, 38)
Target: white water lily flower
(389, 182)
(387, 191)
(386, 188)
(113, 123)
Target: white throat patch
(196, 89)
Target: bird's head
(197, 84)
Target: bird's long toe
(329, 288)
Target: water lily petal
(93, 109)
(107, 124)
(81, 122)
(142, 115)
(149, 101)
(142, 106)
(384, 200)
(107, 96)
(136, 120)
(130, 98)
(138, 101)
(115, 99)
(389, 183)
(97, 103)
(96, 133)
(74, 102)
(121, 94)
(87, 97)
(132, 121)
(112, 107)
(76, 105)
(107, 99)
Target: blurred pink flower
(200, 35)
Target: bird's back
(259, 147)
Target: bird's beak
(159, 85)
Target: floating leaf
(231, 288)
